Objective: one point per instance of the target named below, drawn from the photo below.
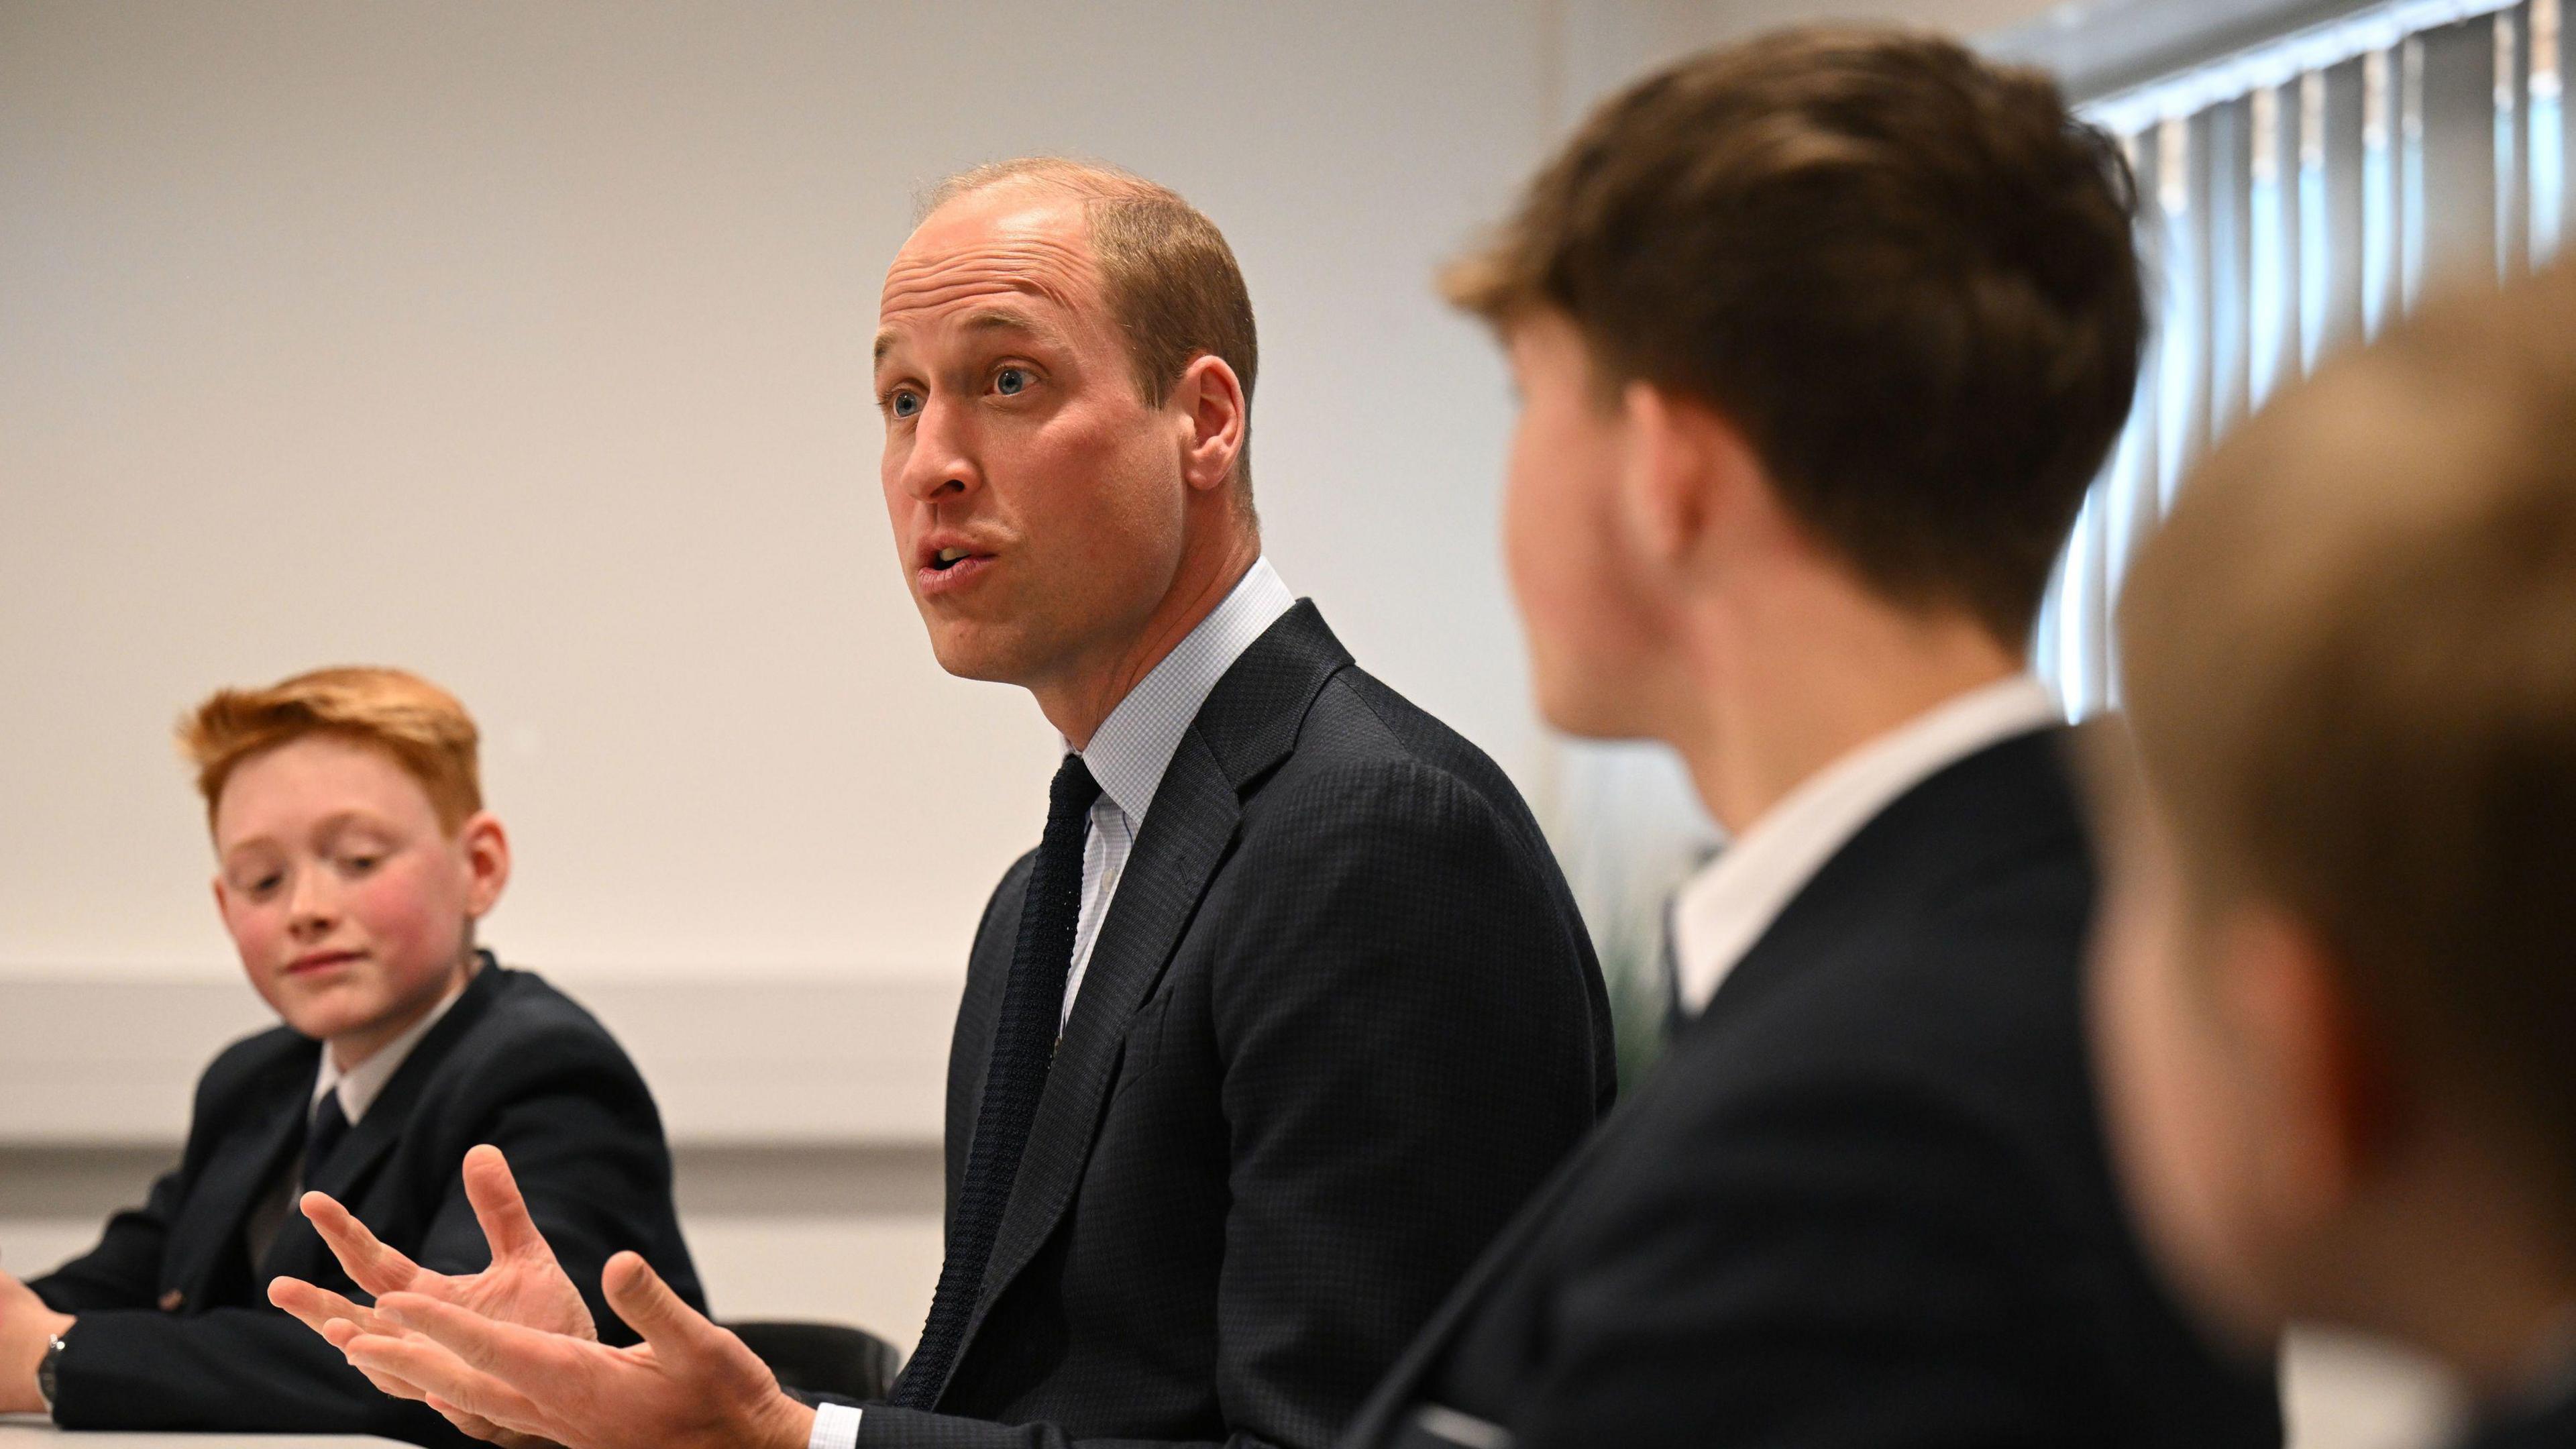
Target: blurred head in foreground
(2337, 989)
(1819, 340)
(353, 854)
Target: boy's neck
(352, 1050)
(2468, 1263)
(1773, 694)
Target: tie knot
(1073, 790)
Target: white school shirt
(1128, 755)
(362, 1084)
(1734, 899)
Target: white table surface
(34, 1431)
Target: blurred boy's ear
(486, 848)
(2325, 1079)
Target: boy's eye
(904, 403)
(1011, 381)
(361, 864)
(265, 884)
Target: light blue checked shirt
(1128, 755)
(1134, 746)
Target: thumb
(648, 1305)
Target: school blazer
(1863, 1202)
(1340, 1019)
(175, 1330)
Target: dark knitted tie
(1023, 1047)
(323, 1132)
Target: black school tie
(1023, 1047)
(323, 1132)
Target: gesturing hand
(524, 1285)
(689, 1385)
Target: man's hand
(524, 1285)
(689, 1385)
(27, 1329)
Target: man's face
(348, 902)
(1589, 620)
(1037, 498)
(2187, 1110)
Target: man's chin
(982, 653)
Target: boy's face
(352, 908)
(2206, 1136)
(1583, 606)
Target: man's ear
(486, 848)
(1211, 397)
(1684, 469)
(223, 908)
(2329, 1081)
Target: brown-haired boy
(1820, 340)
(353, 859)
(2338, 991)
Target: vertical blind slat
(2294, 215)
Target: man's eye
(1011, 381)
(904, 404)
(360, 864)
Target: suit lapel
(206, 1242)
(1248, 724)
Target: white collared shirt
(1727, 907)
(1135, 744)
(1128, 755)
(362, 1084)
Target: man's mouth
(948, 558)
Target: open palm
(525, 1285)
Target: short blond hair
(2350, 661)
(419, 725)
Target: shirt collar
(362, 1084)
(1135, 744)
(1724, 909)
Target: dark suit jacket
(2548, 1423)
(1863, 1202)
(1340, 1020)
(175, 1330)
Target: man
(1819, 341)
(2334, 995)
(1287, 1012)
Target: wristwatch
(45, 1370)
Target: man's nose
(941, 463)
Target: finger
(340, 1333)
(443, 1376)
(499, 1208)
(314, 1306)
(665, 1320)
(369, 1262)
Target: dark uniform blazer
(2548, 1422)
(1340, 1020)
(175, 1330)
(1863, 1202)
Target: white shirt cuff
(836, 1426)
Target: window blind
(2298, 195)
